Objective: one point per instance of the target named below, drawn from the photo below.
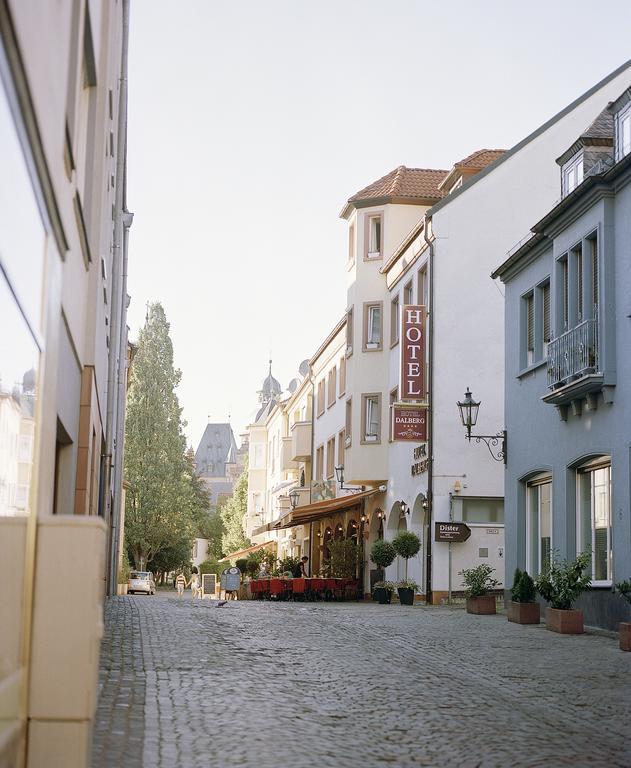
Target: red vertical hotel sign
(413, 383)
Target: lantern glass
(294, 496)
(468, 410)
(339, 474)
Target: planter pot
(569, 622)
(484, 605)
(625, 635)
(121, 589)
(406, 595)
(523, 613)
(382, 596)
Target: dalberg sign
(413, 384)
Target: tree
(232, 514)
(164, 496)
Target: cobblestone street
(188, 684)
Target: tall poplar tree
(161, 500)
(232, 514)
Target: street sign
(409, 422)
(454, 532)
(209, 584)
(230, 579)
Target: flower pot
(523, 613)
(382, 596)
(483, 605)
(625, 635)
(566, 622)
(406, 595)
(121, 589)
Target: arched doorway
(419, 525)
(339, 532)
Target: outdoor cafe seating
(304, 589)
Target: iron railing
(573, 354)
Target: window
(371, 418)
(594, 517)
(330, 458)
(593, 247)
(319, 463)
(320, 403)
(394, 397)
(349, 332)
(342, 379)
(349, 421)
(258, 459)
(351, 243)
(538, 525)
(545, 301)
(530, 329)
(577, 255)
(372, 327)
(623, 133)
(341, 444)
(483, 510)
(332, 387)
(408, 293)
(422, 286)
(373, 237)
(395, 320)
(564, 294)
(572, 175)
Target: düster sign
(413, 352)
(409, 423)
(454, 532)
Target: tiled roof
(481, 158)
(402, 182)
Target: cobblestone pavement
(187, 684)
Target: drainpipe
(430, 417)
(312, 380)
(118, 313)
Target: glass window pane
(545, 524)
(483, 510)
(600, 479)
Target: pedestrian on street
(299, 570)
(194, 582)
(180, 583)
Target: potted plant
(383, 591)
(123, 575)
(406, 544)
(560, 583)
(478, 582)
(523, 608)
(624, 628)
(382, 554)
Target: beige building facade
(63, 365)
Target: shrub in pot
(406, 544)
(242, 564)
(624, 628)
(478, 583)
(383, 591)
(560, 584)
(382, 554)
(523, 608)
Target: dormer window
(623, 132)
(572, 174)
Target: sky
(251, 122)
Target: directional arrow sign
(455, 532)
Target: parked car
(141, 581)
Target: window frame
(534, 485)
(321, 398)
(395, 321)
(573, 168)
(590, 468)
(341, 447)
(423, 285)
(622, 117)
(330, 458)
(348, 421)
(350, 330)
(369, 220)
(319, 463)
(366, 398)
(331, 387)
(408, 293)
(342, 377)
(369, 307)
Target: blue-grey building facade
(568, 371)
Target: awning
(242, 552)
(320, 509)
(273, 526)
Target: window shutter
(546, 312)
(530, 322)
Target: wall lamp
(294, 498)
(497, 444)
(339, 476)
(405, 510)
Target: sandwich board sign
(209, 584)
(230, 579)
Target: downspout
(117, 314)
(430, 417)
(312, 380)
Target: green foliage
(382, 553)
(165, 497)
(345, 554)
(478, 580)
(287, 564)
(408, 584)
(389, 586)
(624, 590)
(212, 566)
(232, 514)
(406, 544)
(174, 556)
(561, 582)
(125, 569)
(253, 564)
(523, 589)
(242, 564)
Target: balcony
(573, 365)
(301, 441)
(287, 462)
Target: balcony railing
(573, 354)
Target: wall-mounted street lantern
(405, 509)
(380, 513)
(339, 476)
(497, 444)
(294, 498)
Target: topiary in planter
(523, 609)
(477, 583)
(406, 544)
(382, 553)
(560, 583)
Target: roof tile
(402, 182)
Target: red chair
(298, 588)
(276, 587)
